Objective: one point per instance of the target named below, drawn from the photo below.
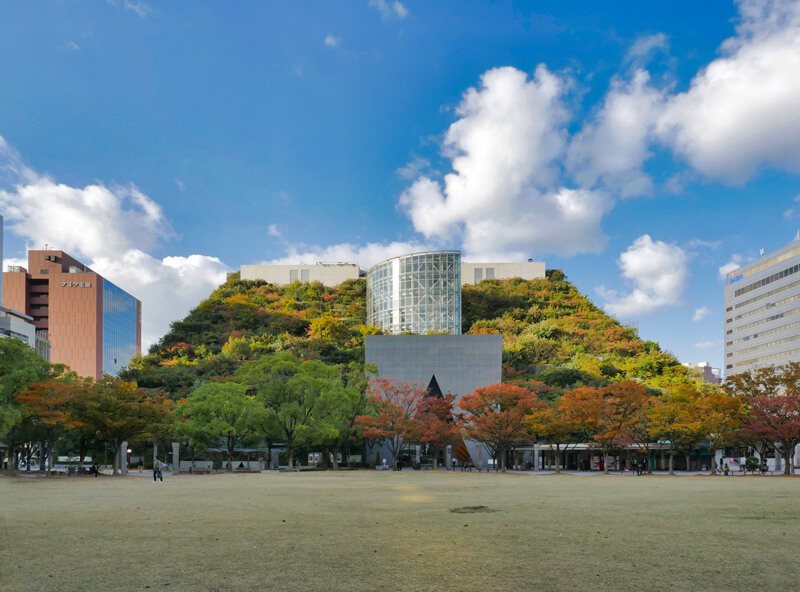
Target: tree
(118, 411)
(720, 415)
(498, 416)
(675, 420)
(556, 427)
(48, 405)
(20, 366)
(289, 389)
(395, 406)
(435, 424)
(217, 411)
(773, 397)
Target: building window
(44, 271)
(490, 273)
(478, 275)
(293, 275)
(304, 275)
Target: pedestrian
(157, 470)
(94, 470)
(140, 464)
(454, 463)
(726, 469)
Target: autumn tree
(393, 422)
(436, 426)
(48, 405)
(552, 424)
(675, 420)
(496, 416)
(720, 415)
(118, 411)
(773, 398)
(606, 413)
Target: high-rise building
(416, 293)
(94, 327)
(762, 311)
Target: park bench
(196, 471)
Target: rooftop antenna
(762, 251)
(46, 247)
(797, 236)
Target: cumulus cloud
(365, 255)
(706, 345)
(700, 314)
(389, 10)
(503, 198)
(792, 212)
(140, 8)
(273, 230)
(332, 41)
(740, 112)
(110, 229)
(612, 148)
(657, 272)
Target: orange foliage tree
(559, 430)
(497, 417)
(395, 406)
(606, 413)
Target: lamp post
(128, 459)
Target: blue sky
(638, 146)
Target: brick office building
(94, 326)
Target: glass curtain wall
(418, 293)
(119, 328)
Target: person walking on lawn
(157, 470)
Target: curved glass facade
(416, 293)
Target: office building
(762, 311)
(456, 364)
(94, 327)
(416, 293)
(329, 274)
(704, 371)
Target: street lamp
(128, 460)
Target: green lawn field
(374, 531)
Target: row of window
(768, 280)
(766, 294)
(302, 275)
(767, 345)
(775, 317)
(767, 306)
(765, 333)
(768, 358)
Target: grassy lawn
(394, 531)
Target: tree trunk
(290, 448)
(688, 456)
(334, 458)
(558, 461)
(502, 461)
(671, 459)
(605, 463)
(713, 461)
(116, 465)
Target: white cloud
(700, 314)
(110, 229)
(414, 168)
(273, 230)
(698, 242)
(389, 10)
(503, 198)
(735, 262)
(332, 41)
(365, 255)
(643, 47)
(658, 273)
(705, 345)
(180, 185)
(138, 7)
(791, 212)
(72, 46)
(614, 146)
(739, 114)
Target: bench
(196, 471)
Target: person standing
(140, 464)
(157, 470)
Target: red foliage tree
(395, 404)
(775, 418)
(436, 426)
(497, 416)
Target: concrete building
(704, 371)
(416, 293)
(762, 311)
(474, 273)
(329, 274)
(458, 363)
(94, 327)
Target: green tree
(218, 411)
